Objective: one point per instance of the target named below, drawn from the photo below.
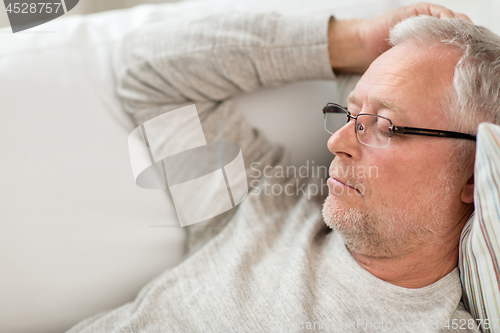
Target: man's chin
(367, 234)
(357, 229)
(339, 217)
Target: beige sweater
(270, 264)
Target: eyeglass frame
(397, 129)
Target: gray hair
(475, 94)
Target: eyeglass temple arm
(431, 132)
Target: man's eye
(383, 126)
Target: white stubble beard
(387, 231)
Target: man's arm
(178, 62)
(354, 44)
(207, 61)
(170, 64)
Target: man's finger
(441, 12)
(437, 11)
(463, 17)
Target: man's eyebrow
(390, 105)
(351, 99)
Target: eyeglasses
(376, 131)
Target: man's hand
(354, 44)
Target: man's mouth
(335, 181)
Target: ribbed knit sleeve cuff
(299, 50)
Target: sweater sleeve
(174, 63)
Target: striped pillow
(479, 261)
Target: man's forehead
(406, 75)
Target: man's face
(408, 192)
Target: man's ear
(467, 193)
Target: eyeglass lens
(371, 130)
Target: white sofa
(77, 236)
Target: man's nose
(344, 141)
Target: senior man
(271, 264)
